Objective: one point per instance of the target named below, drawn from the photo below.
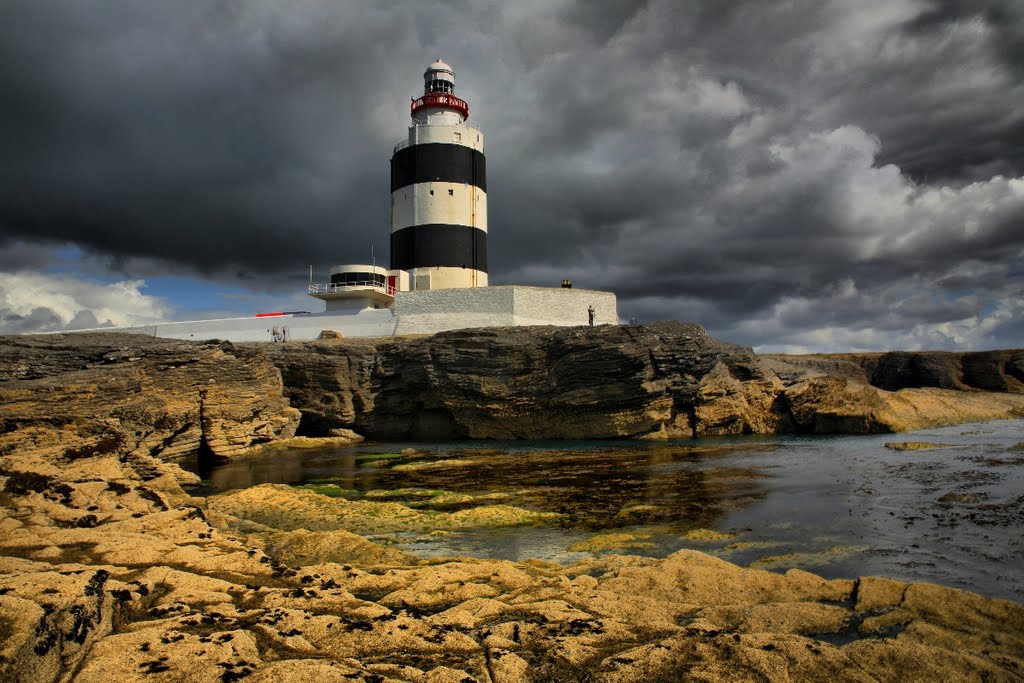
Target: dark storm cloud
(1006, 20)
(724, 162)
(185, 133)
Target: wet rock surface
(836, 506)
(159, 585)
(663, 380)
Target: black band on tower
(439, 244)
(363, 278)
(439, 162)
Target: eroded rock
(163, 586)
(73, 396)
(111, 570)
(664, 380)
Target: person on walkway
(590, 314)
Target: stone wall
(423, 312)
(551, 306)
(368, 323)
(432, 311)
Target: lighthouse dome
(439, 77)
(440, 66)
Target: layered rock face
(665, 380)
(527, 383)
(136, 394)
(110, 570)
(983, 371)
(70, 396)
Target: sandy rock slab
(110, 576)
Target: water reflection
(838, 506)
(592, 488)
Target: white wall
(557, 306)
(426, 312)
(373, 323)
(458, 134)
(423, 312)
(414, 205)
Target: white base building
(423, 312)
(438, 276)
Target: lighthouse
(438, 230)
(437, 278)
(439, 191)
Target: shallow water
(839, 506)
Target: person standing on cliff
(590, 314)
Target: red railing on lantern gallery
(440, 99)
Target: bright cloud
(32, 302)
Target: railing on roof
(359, 285)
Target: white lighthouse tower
(438, 275)
(439, 191)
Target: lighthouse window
(358, 279)
(438, 85)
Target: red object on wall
(391, 285)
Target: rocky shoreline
(103, 392)
(665, 380)
(111, 570)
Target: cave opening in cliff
(206, 459)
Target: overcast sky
(820, 175)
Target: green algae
(606, 542)
(707, 535)
(321, 508)
(332, 490)
(804, 559)
(572, 494)
(916, 445)
(403, 493)
(443, 464)
(366, 457)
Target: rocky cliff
(82, 394)
(110, 570)
(77, 395)
(665, 380)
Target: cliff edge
(664, 380)
(81, 394)
(75, 395)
